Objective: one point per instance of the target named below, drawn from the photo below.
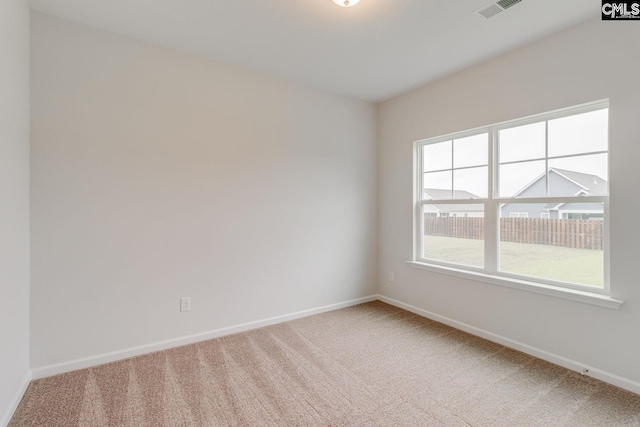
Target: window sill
(524, 285)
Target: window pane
(471, 151)
(437, 185)
(567, 246)
(525, 178)
(437, 156)
(470, 183)
(522, 143)
(581, 133)
(582, 175)
(454, 233)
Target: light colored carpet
(368, 365)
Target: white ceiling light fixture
(346, 3)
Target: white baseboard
(114, 356)
(86, 362)
(607, 377)
(4, 421)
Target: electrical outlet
(185, 304)
(392, 277)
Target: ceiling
(373, 51)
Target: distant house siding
(558, 186)
(452, 211)
(591, 210)
(531, 209)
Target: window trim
(570, 294)
(489, 273)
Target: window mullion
(490, 211)
(546, 155)
(453, 160)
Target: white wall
(589, 62)
(157, 174)
(14, 201)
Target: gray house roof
(577, 182)
(591, 185)
(439, 194)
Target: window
(534, 193)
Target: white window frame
(490, 273)
(518, 215)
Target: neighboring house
(561, 183)
(452, 210)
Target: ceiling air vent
(495, 8)
(506, 4)
(490, 11)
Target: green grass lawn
(584, 266)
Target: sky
(568, 136)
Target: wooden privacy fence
(570, 233)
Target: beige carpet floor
(368, 365)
